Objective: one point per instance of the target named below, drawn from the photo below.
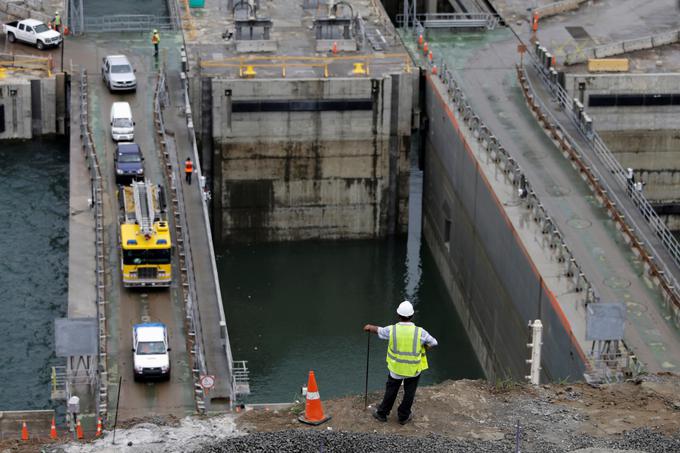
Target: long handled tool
(368, 355)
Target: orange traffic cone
(53, 430)
(313, 410)
(434, 69)
(79, 430)
(426, 48)
(420, 40)
(24, 431)
(334, 49)
(99, 428)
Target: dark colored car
(129, 162)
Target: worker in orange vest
(155, 40)
(534, 22)
(188, 169)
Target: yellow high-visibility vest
(405, 354)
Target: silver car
(117, 73)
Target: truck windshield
(121, 69)
(138, 257)
(150, 347)
(122, 122)
(40, 28)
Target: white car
(122, 124)
(150, 348)
(33, 32)
(117, 73)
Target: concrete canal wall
(311, 158)
(32, 107)
(490, 276)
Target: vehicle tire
(11, 37)
(40, 45)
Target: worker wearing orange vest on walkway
(155, 40)
(188, 169)
(406, 359)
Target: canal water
(34, 266)
(295, 307)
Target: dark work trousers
(391, 390)
(187, 176)
(155, 49)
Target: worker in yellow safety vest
(155, 40)
(406, 359)
(57, 22)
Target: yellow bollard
(249, 73)
(325, 70)
(359, 69)
(283, 71)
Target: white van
(150, 358)
(122, 125)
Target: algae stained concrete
(311, 158)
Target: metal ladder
(144, 206)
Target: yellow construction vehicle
(145, 242)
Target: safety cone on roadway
(434, 70)
(334, 48)
(24, 431)
(430, 56)
(79, 430)
(420, 40)
(426, 48)
(99, 428)
(313, 411)
(53, 430)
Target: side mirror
(133, 349)
(169, 349)
(134, 70)
(134, 123)
(111, 123)
(142, 159)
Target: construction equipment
(146, 246)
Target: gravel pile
(328, 441)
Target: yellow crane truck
(145, 242)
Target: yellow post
(368, 71)
(283, 70)
(54, 379)
(325, 70)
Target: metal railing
(224, 333)
(128, 22)
(280, 66)
(186, 268)
(97, 190)
(600, 183)
(488, 21)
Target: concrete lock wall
(313, 158)
(30, 108)
(641, 137)
(490, 278)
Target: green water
(295, 307)
(33, 269)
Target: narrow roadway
(128, 307)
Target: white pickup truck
(33, 32)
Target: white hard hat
(405, 309)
